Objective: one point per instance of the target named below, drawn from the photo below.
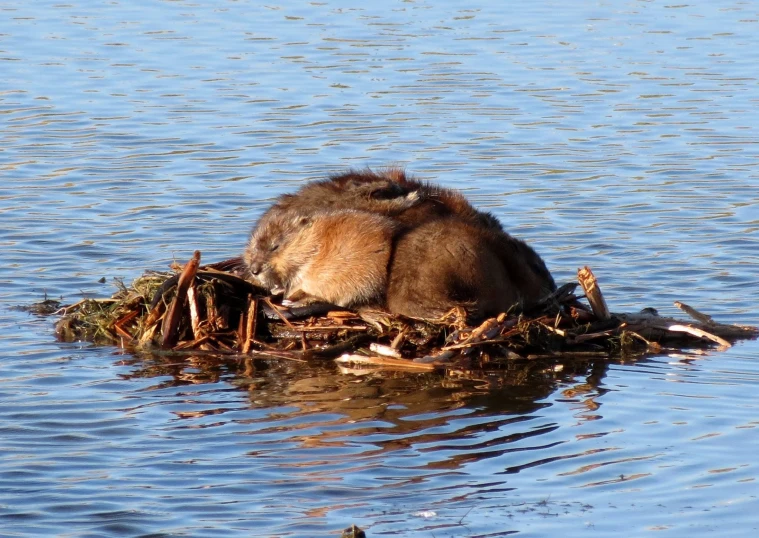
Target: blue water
(619, 135)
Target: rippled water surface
(621, 135)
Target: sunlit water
(621, 135)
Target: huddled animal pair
(384, 240)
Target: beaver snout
(255, 268)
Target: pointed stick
(593, 293)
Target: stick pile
(212, 309)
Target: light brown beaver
(338, 256)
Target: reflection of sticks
(170, 328)
(593, 293)
(386, 361)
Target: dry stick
(700, 333)
(386, 351)
(123, 332)
(189, 344)
(398, 340)
(560, 332)
(128, 317)
(317, 328)
(250, 326)
(303, 342)
(279, 313)
(118, 325)
(330, 352)
(155, 314)
(580, 338)
(652, 346)
(77, 305)
(212, 320)
(171, 321)
(638, 323)
(593, 292)
(194, 315)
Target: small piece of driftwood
(695, 314)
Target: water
(621, 135)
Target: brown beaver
(338, 256)
(446, 263)
(390, 192)
(355, 258)
(444, 252)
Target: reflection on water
(621, 136)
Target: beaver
(448, 262)
(335, 256)
(410, 202)
(355, 258)
(390, 192)
(445, 253)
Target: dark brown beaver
(446, 263)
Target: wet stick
(174, 315)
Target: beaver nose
(255, 268)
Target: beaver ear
(302, 220)
(284, 200)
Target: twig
(171, 321)
(317, 328)
(695, 314)
(385, 351)
(580, 338)
(279, 313)
(250, 326)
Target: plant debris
(214, 309)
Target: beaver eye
(273, 247)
